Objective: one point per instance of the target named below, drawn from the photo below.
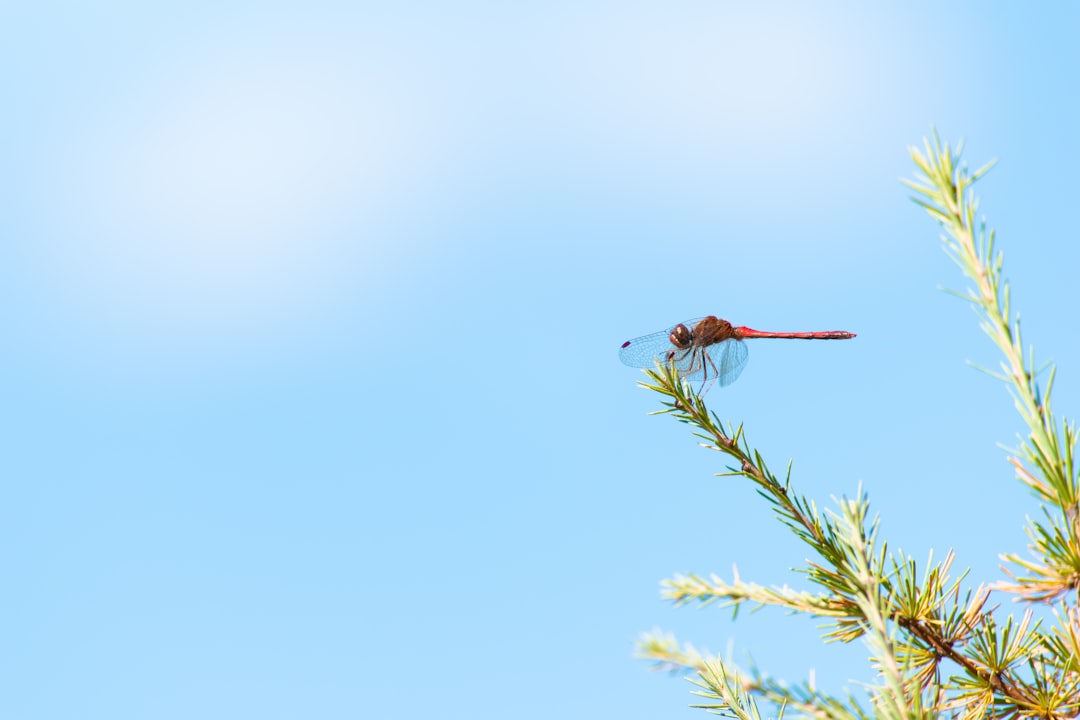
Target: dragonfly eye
(681, 337)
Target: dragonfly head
(681, 337)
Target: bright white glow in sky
(227, 197)
(749, 71)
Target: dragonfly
(707, 348)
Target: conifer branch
(944, 190)
(919, 626)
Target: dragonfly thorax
(711, 330)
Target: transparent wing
(722, 362)
(643, 352)
(731, 356)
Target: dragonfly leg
(678, 356)
(707, 362)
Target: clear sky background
(311, 401)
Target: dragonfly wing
(730, 357)
(643, 352)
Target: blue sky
(312, 404)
